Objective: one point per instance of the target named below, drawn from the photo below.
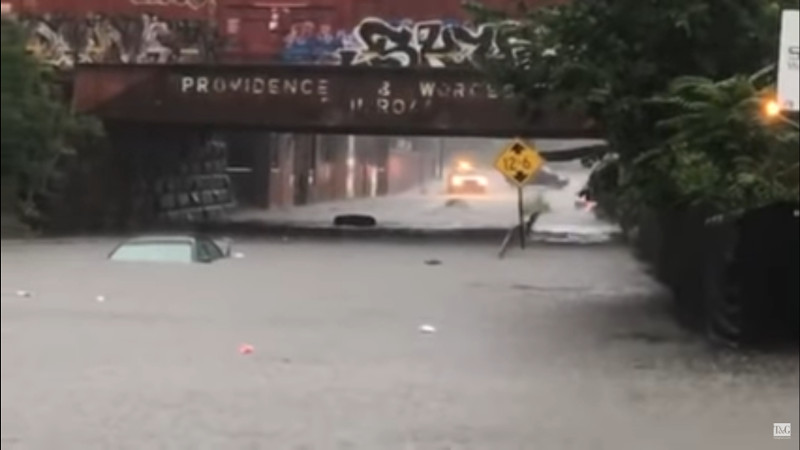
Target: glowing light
(464, 165)
(772, 108)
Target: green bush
(38, 128)
(624, 63)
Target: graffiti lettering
(191, 4)
(430, 43)
(65, 41)
(255, 86)
(375, 42)
(385, 43)
(312, 43)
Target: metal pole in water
(440, 162)
(350, 182)
(521, 210)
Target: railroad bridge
(319, 99)
(284, 134)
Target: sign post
(519, 162)
(521, 212)
(789, 62)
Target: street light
(773, 110)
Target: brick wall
(173, 175)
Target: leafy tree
(720, 150)
(611, 58)
(38, 128)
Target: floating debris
(246, 349)
(427, 329)
(456, 202)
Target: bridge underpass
(299, 135)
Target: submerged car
(464, 179)
(171, 249)
(548, 178)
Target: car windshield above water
(153, 250)
(169, 249)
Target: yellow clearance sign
(519, 162)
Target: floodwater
(348, 345)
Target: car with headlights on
(465, 179)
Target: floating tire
(355, 220)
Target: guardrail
(515, 231)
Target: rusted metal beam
(329, 99)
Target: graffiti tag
(312, 43)
(429, 43)
(375, 42)
(65, 41)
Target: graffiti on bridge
(65, 41)
(376, 42)
(311, 43)
(434, 43)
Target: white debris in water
(100, 299)
(24, 294)
(427, 329)
(238, 255)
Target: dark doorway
(248, 167)
(303, 169)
